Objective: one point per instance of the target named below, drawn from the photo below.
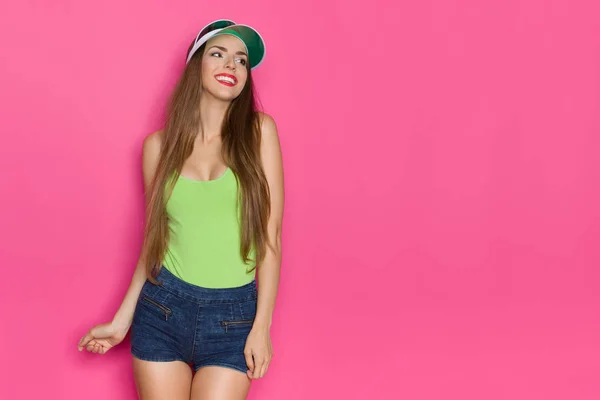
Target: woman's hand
(102, 338)
(258, 352)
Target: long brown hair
(240, 135)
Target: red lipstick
(226, 79)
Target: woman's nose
(230, 63)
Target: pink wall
(442, 171)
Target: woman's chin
(224, 94)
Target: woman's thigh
(170, 380)
(220, 383)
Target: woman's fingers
(94, 345)
(258, 367)
(262, 370)
(85, 340)
(249, 362)
(102, 331)
(90, 344)
(265, 367)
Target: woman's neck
(212, 114)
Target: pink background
(442, 180)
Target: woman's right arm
(103, 337)
(124, 315)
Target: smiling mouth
(227, 80)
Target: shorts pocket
(157, 307)
(154, 298)
(237, 324)
(243, 315)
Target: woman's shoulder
(153, 141)
(264, 117)
(268, 127)
(150, 154)
(269, 144)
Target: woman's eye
(239, 60)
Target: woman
(214, 193)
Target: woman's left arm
(258, 351)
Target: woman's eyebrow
(225, 50)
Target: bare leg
(162, 380)
(219, 383)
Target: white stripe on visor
(200, 42)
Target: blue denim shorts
(199, 326)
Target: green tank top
(204, 224)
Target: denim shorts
(199, 326)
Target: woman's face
(224, 72)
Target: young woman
(214, 193)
